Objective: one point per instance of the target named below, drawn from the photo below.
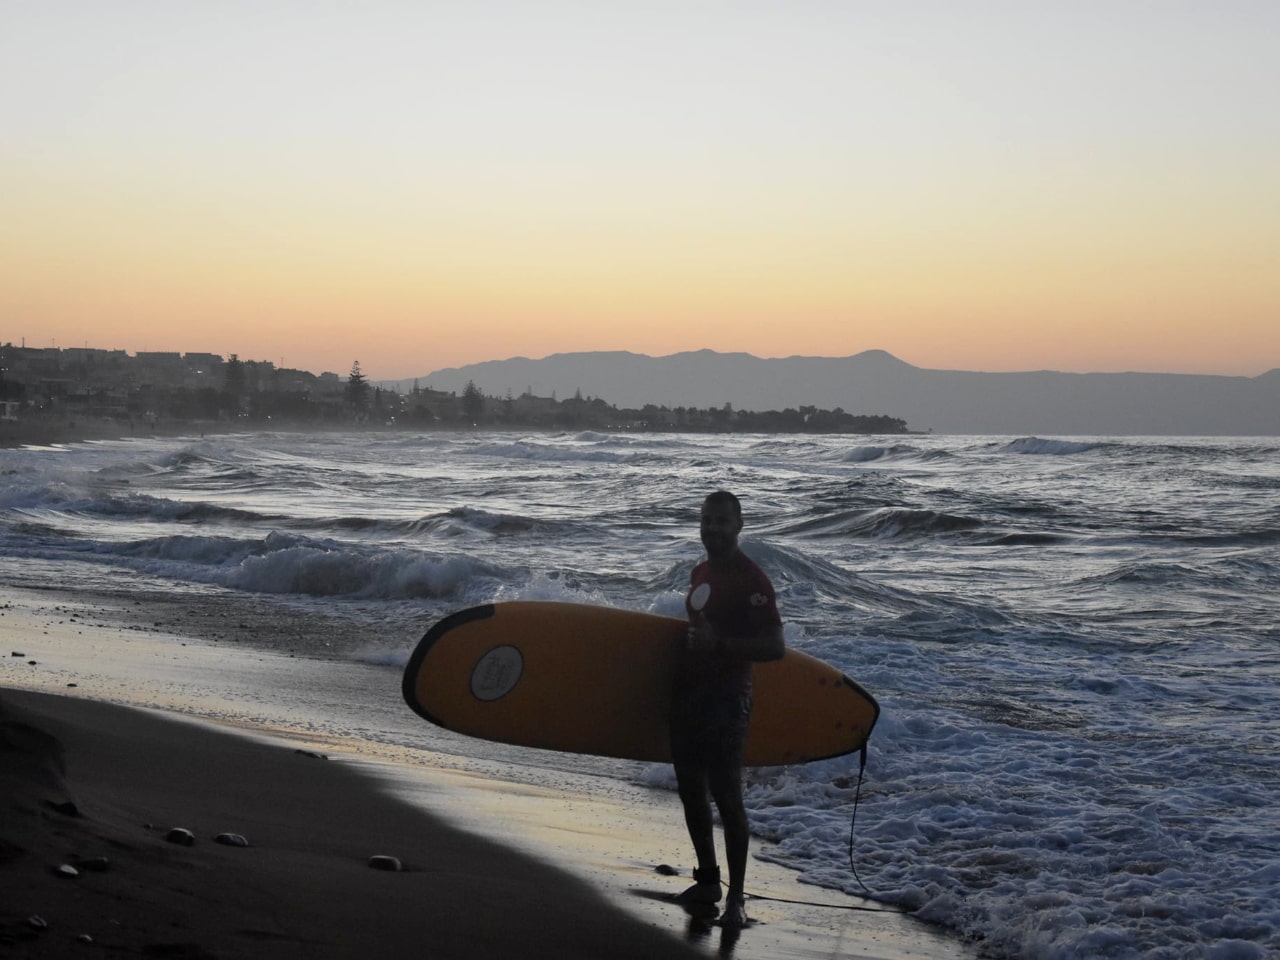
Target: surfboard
(597, 680)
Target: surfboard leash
(853, 820)
(885, 908)
(824, 906)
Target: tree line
(249, 396)
(474, 408)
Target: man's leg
(725, 784)
(693, 787)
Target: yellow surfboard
(584, 679)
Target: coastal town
(57, 394)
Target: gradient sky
(1085, 186)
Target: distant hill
(876, 382)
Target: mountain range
(876, 382)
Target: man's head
(721, 523)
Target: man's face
(720, 528)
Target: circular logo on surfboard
(496, 673)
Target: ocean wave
(790, 447)
(647, 441)
(395, 575)
(1162, 574)
(77, 499)
(904, 452)
(185, 457)
(548, 452)
(207, 551)
(129, 471)
(883, 523)
(287, 564)
(1245, 483)
(549, 588)
(935, 456)
(1027, 540)
(1264, 537)
(1034, 446)
(462, 521)
(283, 563)
(864, 454)
(805, 582)
(140, 507)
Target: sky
(1086, 186)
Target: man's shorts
(710, 730)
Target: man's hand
(702, 636)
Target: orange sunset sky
(1087, 186)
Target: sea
(1075, 642)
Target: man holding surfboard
(639, 686)
(733, 622)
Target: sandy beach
(303, 887)
(95, 776)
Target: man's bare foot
(734, 916)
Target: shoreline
(41, 432)
(59, 431)
(600, 845)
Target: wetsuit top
(738, 600)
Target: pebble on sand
(383, 862)
(181, 836)
(67, 808)
(231, 840)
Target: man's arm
(767, 644)
(763, 646)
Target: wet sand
(558, 866)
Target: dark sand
(303, 888)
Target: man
(733, 621)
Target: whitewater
(1074, 642)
